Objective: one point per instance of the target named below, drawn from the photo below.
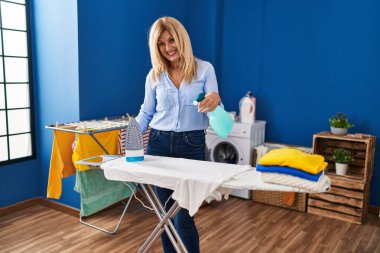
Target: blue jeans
(189, 145)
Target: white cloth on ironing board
(283, 179)
(251, 179)
(192, 181)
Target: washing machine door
(226, 151)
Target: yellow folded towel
(294, 158)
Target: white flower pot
(338, 131)
(341, 168)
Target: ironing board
(161, 171)
(91, 127)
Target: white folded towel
(283, 179)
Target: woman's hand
(209, 103)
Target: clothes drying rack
(91, 127)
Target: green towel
(97, 193)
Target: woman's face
(168, 47)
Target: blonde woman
(177, 126)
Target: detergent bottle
(220, 121)
(248, 108)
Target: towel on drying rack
(63, 157)
(95, 190)
(85, 146)
(61, 165)
(97, 193)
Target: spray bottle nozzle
(200, 97)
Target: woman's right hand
(209, 103)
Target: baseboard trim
(374, 209)
(40, 201)
(59, 207)
(19, 206)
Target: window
(16, 112)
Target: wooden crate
(349, 195)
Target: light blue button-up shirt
(167, 108)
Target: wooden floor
(231, 226)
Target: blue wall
(114, 54)
(19, 182)
(204, 29)
(56, 97)
(57, 81)
(305, 61)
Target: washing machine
(237, 148)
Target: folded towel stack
(292, 167)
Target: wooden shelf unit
(349, 195)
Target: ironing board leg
(170, 223)
(164, 220)
(118, 224)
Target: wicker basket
(277, 199)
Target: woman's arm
(212, 98)
(148, 108)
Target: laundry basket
(277, 198)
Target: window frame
(30, 83)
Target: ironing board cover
(192, 181)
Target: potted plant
(339, 124)
(342, 158)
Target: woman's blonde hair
(187, 61)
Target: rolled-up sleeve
(211, 84)
(148, 108)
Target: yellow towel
(60, 163)
(87, 147)
(294, 158)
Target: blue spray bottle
(220, 121)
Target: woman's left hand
(209, 103)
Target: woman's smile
(168, 47)
(171, 53)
